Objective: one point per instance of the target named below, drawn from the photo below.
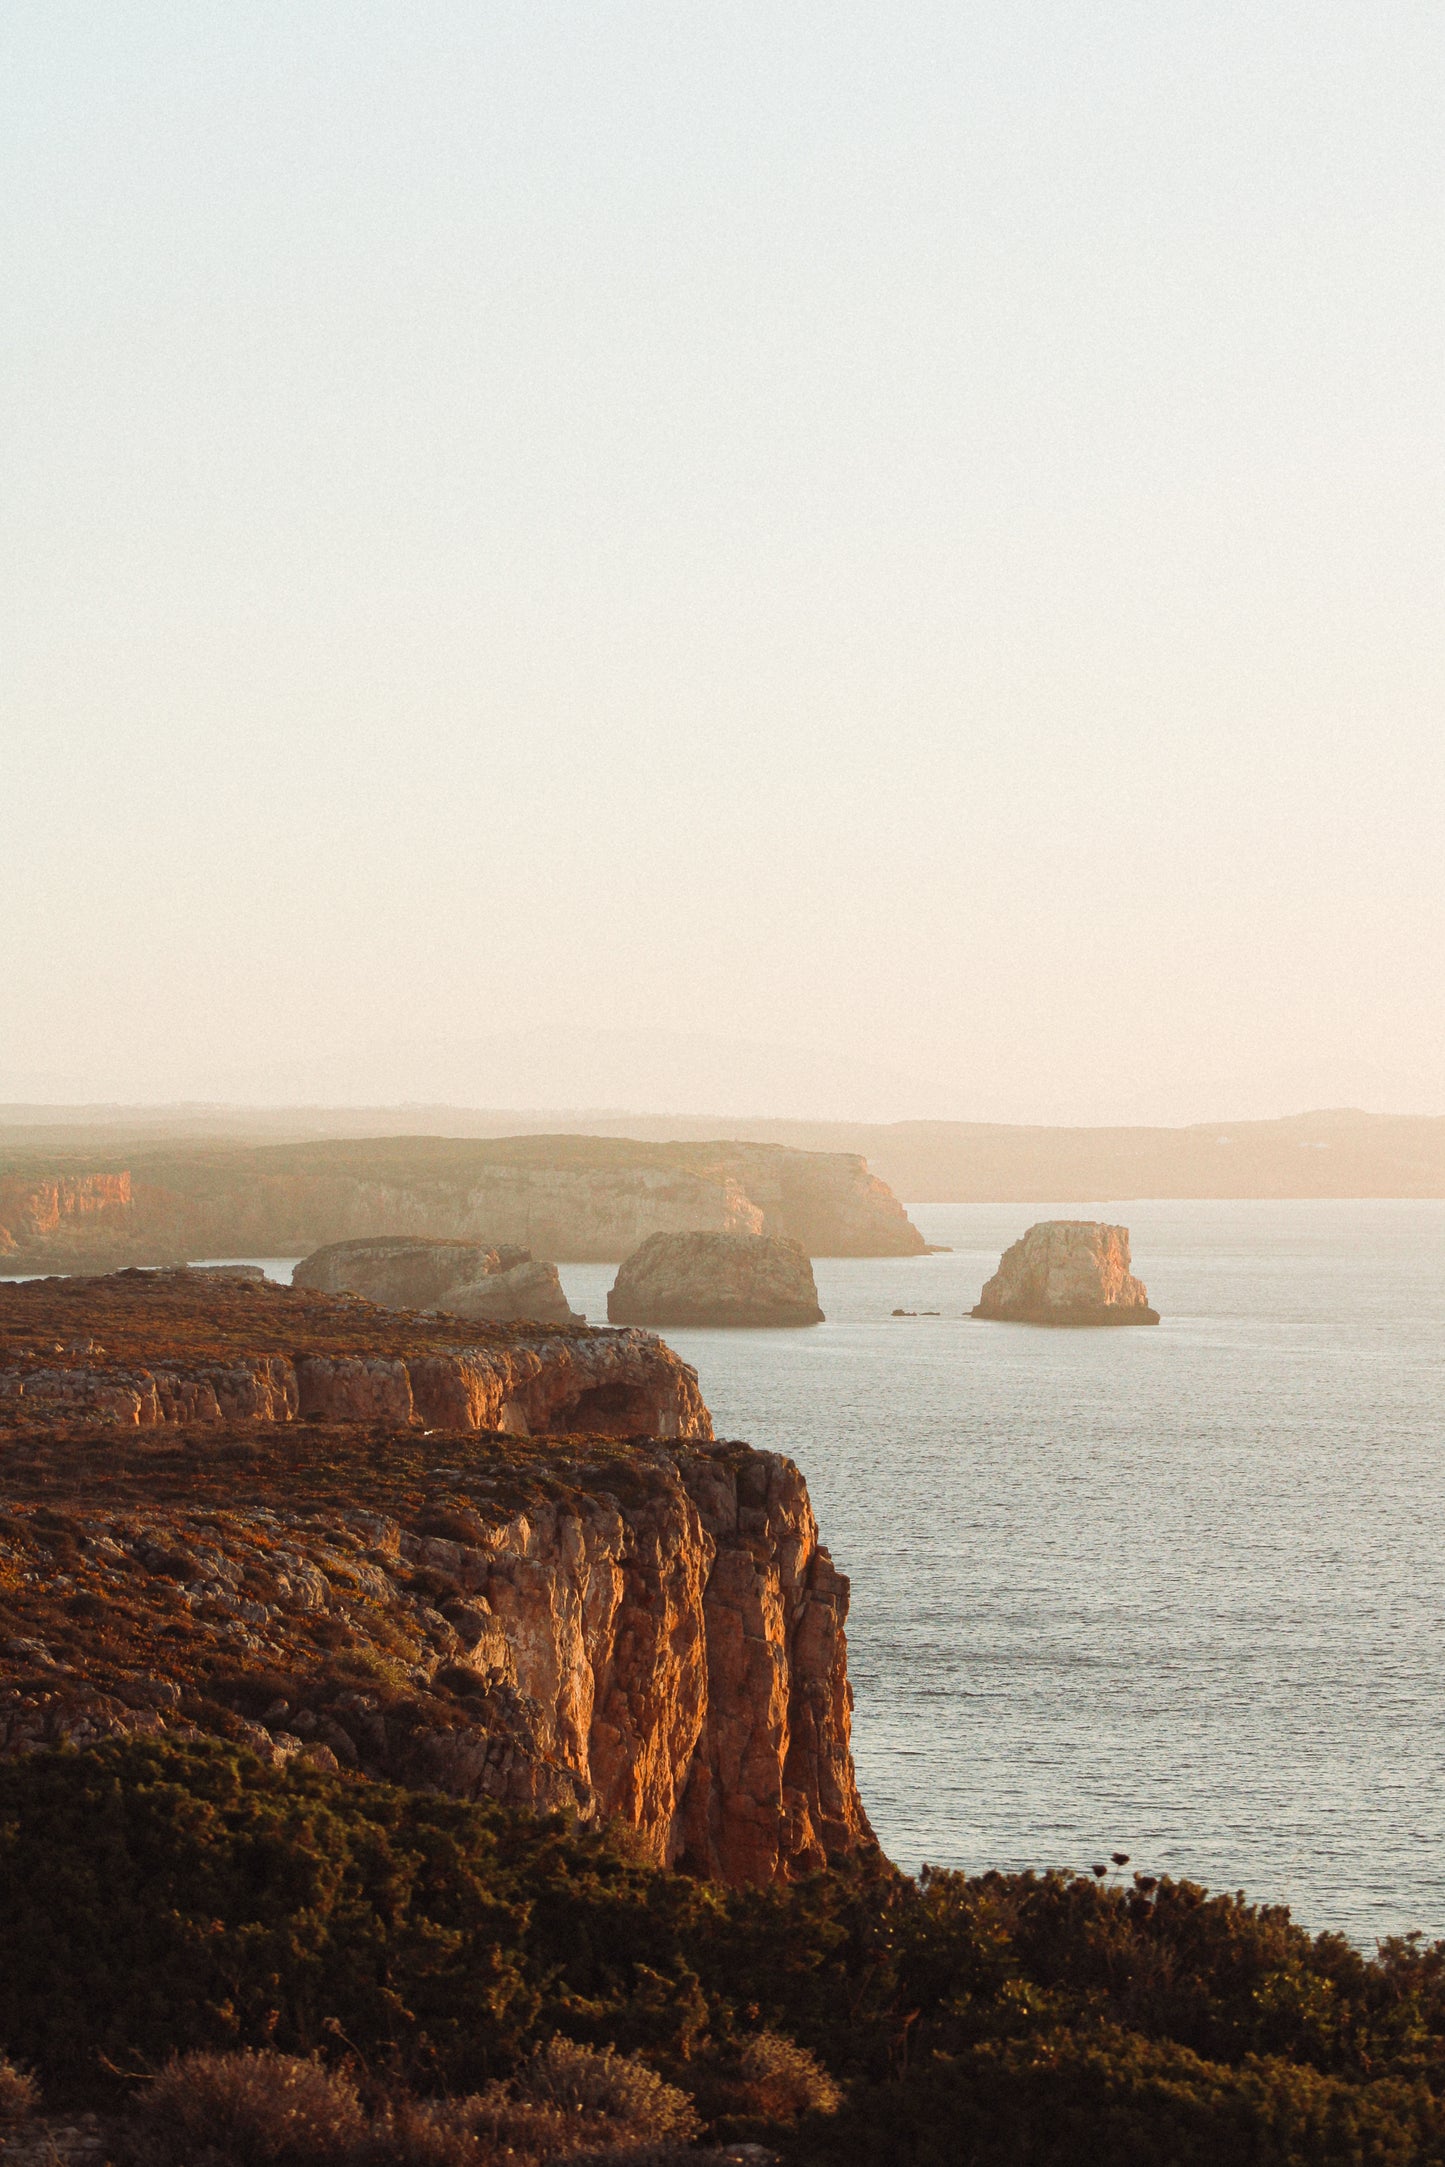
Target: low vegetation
(437, 1981)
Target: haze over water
(1175, 1592)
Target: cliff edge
(637, 1629)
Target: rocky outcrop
(524, 1293)
(399, 1271)
(140, 1349)
(705, 1279)
(577, 1198)
(1067, 1271)
(466, 1279)
(651, 1633)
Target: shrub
(615, 2088)
(19, 2092)
(782, 2080)
(247, 2110)
(159, 1898)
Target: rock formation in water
(399, 1271)
(466, 1279)
(1067, 1271)
(733, 1279)
(634, 1629)
(524, 1293)
(566, 1197)
(143, 1349)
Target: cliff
(147, 1349)
(1339, 1152)
(62, 1211)
(574, 1198)
(1067, 1271)
(643, 1631)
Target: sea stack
(732, 1279)
(466, 1279)
(1067, 1271)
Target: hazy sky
(905, 540)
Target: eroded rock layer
(138, 1349)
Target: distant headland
(1334, 1153)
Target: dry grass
(569, 2103)
(783, 2080)
(19, 2092)
(247, 2110)
(618, 2088)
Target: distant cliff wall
(63, 1210)
(563, 1198)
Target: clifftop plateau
(577, 1198)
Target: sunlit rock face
(142, 1350)
(1067, 1271)
(705, 1279)
(316, 1527)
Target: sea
(1176, 1593)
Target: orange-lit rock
(1067, 1271)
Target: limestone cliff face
(141, 1349)
(828, 1201)
(571, 1198)
(1067, 1271)
(63, 1210)
(653, 1634)
(716, 1279)
(616, 1384)
(586, 1214)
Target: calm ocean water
(1176, 1592)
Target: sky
(847, 559)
